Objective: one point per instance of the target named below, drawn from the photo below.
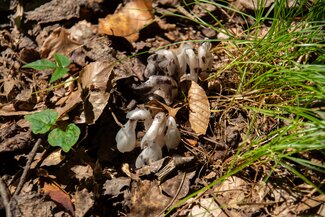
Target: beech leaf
(95, 82)
(199, 109)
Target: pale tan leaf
(128, 20)
(83, 202)
(199, 108)
(58, 42)
(95, 82)
(53, 159)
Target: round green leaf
(42, 122)
(64, 139)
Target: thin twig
(27, 166)
(5, 197)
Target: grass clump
(280, 59)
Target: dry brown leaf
(82, 171)
(70, 102)
(179, 185)
(148, 200)
(95, 82)
(25, 100)
(53, 159)
(156, 106)
(58, 195)
(58, 42)
(128, 20)
(114, 186)
(83, 201)
(206, 207)
(199, 109)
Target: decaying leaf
(157, 106)
(58, 42)
(151, 200)
(25, 100)
(199, 108)
(148, 200)
(114, 187)
(69, 103)
(58, 195)
(83, 201)
(179, 185)
(95, 82)
(82, 172)
(127, 20)
(206, 207)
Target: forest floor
(251, 124)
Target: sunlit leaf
(42, 121)
(58, 73)
(62, 60)
(199, 108)
(40, 65)
(64, 139)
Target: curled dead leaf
(199, 108)
(127, 20)
(95, 82)
(58, 42)
(58, 195)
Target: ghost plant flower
(125, 137)
(169, 64)
(192, 62)
(172, 137)
(150, 154)
(205, 58)
(181, 56)
(140, 115)
(156, 131)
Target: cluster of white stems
(160, 131)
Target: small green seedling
(44, 121)
(59, 66)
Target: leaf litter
(101, 87)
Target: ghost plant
(156, 131)
(164, 71)
(161, 131)
(149, 154)
(172, 137)
(166, 68)
(125, 137)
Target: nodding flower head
(125, 137)
(172, 137)
(140, 115)
(205, 57)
